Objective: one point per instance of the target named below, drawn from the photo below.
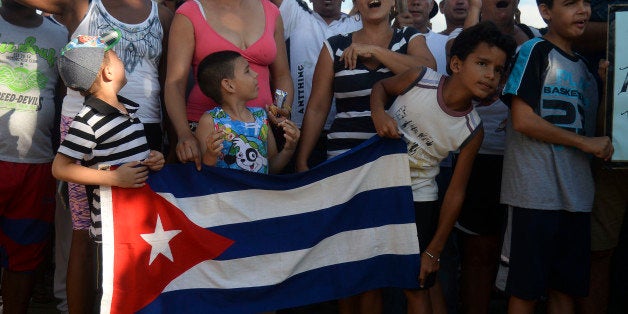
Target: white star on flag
(159, 241)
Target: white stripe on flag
(239, 273)
(107, 249)
(235, 207)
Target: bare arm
(165, 18)
(181, 44)
(129, 175)
(279, 70)
(209, 139)
(473, 15)
(417, 55)
(526, 121)
(385, 125)
(452, 203)
(317, 108)
(278, 161)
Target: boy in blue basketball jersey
(547, 180)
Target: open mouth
(501, 4)
(375, 4)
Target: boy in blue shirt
(547, 180)
(233, 135)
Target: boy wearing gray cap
(105, 132)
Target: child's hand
(291, 133)
(600, 147)
(155, 160)
(428, 267)
(213, 144)
(385, 125)
(131, 175)
(276, 115)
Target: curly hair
(483, 32)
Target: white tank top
(139, 49)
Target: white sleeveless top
(139, 49)
(431, 129)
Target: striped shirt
(352, 90)
(101, 135)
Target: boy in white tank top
(434, 114)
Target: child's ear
(106, 72)
(455, 64)
(227, 85)
(545, 12)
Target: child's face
(482, 70)
(567, 18)
(244, 79)
(117, 67)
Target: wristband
(434, 258)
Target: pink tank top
(259, 55)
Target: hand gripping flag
(229, 241)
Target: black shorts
(550, 249)
(426, 220)
(481, 211)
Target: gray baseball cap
(82, 57)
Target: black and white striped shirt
(352, 90)
(102, 135)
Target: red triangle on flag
(135, 212)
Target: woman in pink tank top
(252, 28)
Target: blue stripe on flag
(269, 235)
(366, 152)
(322, 284)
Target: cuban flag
(229, 241)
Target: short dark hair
(483, 32)
(213, 69)
(548, 3)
